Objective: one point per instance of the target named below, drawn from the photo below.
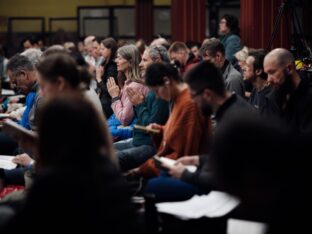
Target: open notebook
(214, 204)
(6, 162)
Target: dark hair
(76, 55)
(140, 44)
(60, 64)
(156, 72)
(111, 44)
(32, 40)
(212, 46)
(2, 51)
(231, 23)
(84, 74)
(71, 133)
(191, 44)
(206, 76)
(259, 56)
(18, 63)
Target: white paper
(6, 162)
(170, 163)
(214, 204)
(7, 92)
(237, 226)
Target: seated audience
(179, 53)
(254, 73)
(208, 92)
(77, 184)
(291, 98)
(186, 129)
(107, 69)
(213, 51)
(57, 73)
(149, 109)
(127, 61)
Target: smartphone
(146, 129)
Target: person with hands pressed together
(148, 109)
(135, 98)
(116, 128)
(113, 88)
(128, 67)
(104, 71)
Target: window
(93, 20)
(162, 21)
(125, 22)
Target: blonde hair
(242, 55)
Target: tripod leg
(276, 25)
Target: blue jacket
(232, 44)
(118, 131)
(30, 99)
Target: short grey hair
(19, 63)
(52, 49)
(33, 55)
(158, 52)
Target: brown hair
(111, 44)
(177, 46)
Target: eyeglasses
(15, 78)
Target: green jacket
(152, 110)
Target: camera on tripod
(300, 48)
(307, 61)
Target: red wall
(188, 21)
(257, 22)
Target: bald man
(291, 98)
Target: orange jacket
(185, 133)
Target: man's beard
(286, 88)
(206, 109)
